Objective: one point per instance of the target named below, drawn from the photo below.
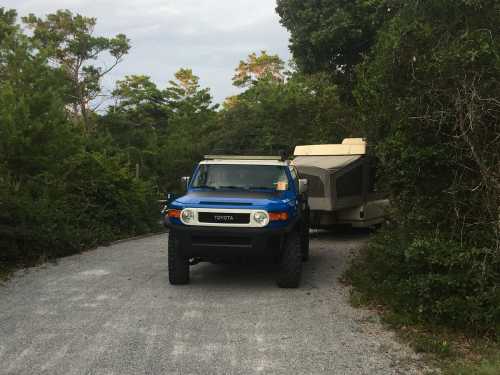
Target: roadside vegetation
(420, 80)
(424, 79)
(80, 167)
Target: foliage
(425, 86)
(57, 196)
(70, 43)
(164, 131)
(418, 79)
(435, 280)
(433, 80)
(48, 217)
(485, 367)
(273, 114)
(332, 36)
(256, 68)
(428, 98)
(138, 92)
(65, 188)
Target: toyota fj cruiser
(238, 207)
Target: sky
(208, 36)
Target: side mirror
(185, 182)
(303, 186)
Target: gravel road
(112, 311)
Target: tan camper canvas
(341, 180)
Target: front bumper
(219, 242)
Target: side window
(295, 177)
(316, 188)
(351, 183)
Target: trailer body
(341, 184)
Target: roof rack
(244, 157)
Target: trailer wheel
(290, 270)
(178, 266)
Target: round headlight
(261, 218)
(187, 215)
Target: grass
(5, 272)
(454, 352)
(486, 367)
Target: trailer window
(351, 183)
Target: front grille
(223, 218)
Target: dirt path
(112, 311)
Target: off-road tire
(178, 266)
(290, 268)
(304, 240)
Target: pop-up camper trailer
(341, 181)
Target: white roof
(244, 162)
(350, 146)
(325, 162)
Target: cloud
(209, 36)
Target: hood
(232, 199)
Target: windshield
(246, 177)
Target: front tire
(178, 266)
(290, 271)
(304, 242)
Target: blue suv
(238, 207)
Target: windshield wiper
(232, 187)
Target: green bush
(96, 201)
(61, 189)
(427, 93)
(431, 279)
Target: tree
(428, 94)
(12, 42)
(33, 127)
(428, 97)
(144, 103)
(332, 36)
(60, 191)
(255, 68)
(164, 131)
(8, 27)
(137, 90)
(72, 46)
(269, 116)
(134, 124)
(185, 90)
(190, 125)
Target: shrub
(96, 201)
(427, 92)
(431, 278)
